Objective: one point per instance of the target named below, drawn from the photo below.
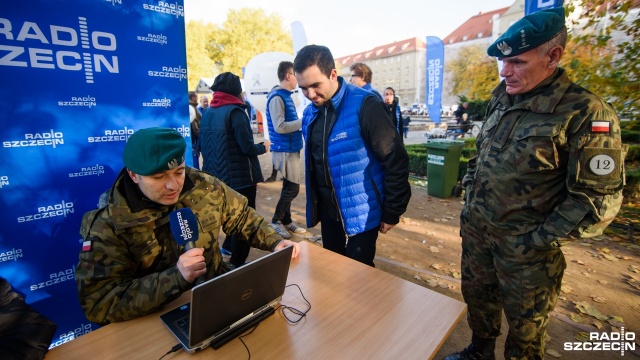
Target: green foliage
(630, 125)
(418, 163)
(468, 152)
(631, 190)
(199, 64)
(417, 159)
(630, 137)
(474, 73)
(619, 82)
(246, 33)
(633, 154)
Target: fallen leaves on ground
(566, 289)
(587, 309)
(553, 353)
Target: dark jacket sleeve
(243, 134)
(24, 333)
(385, 143)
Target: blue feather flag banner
(435, 67)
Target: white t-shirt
(192, 113)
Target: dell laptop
(226, 306)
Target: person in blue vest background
(356, 168)
(286, 143)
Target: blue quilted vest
(291, 142)
(356, 174)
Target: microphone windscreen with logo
(184, 227)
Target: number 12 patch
(602, 164)
(600, 167)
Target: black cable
(293, 310)
(247, 334)
(173, 349)
(300, 313)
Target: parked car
(418, 109)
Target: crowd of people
(521, 203)
(548, 170)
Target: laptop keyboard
(183, 325)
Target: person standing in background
(204, 104)
(228, 150)
(549, 170)
(391, 103)
(194, 122)
(405, 123)
(286, 143)
(361, 76)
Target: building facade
(400, 65)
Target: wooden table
(357, 312)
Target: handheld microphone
(184, 227)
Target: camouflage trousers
(505, 273)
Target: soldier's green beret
(528, 33)
(153, 150)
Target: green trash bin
(443, 161)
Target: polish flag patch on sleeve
(86, 245)
(600, 126)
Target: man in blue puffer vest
(286, 143)
(357, 169)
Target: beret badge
(504, 48)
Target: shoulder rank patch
(86, 246)
(600, 126)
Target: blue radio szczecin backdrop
(435, 68)
(78, 78)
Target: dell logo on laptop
(246, 294)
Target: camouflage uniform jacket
(127, 267)
(549, 163)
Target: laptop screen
(226, 299)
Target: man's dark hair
(283, 69)
(390, 88)
(314, 55)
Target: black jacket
(228, 150)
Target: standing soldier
(549, 170)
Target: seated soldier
(130, 264)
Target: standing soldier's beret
(528, 33)
(154, 150)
